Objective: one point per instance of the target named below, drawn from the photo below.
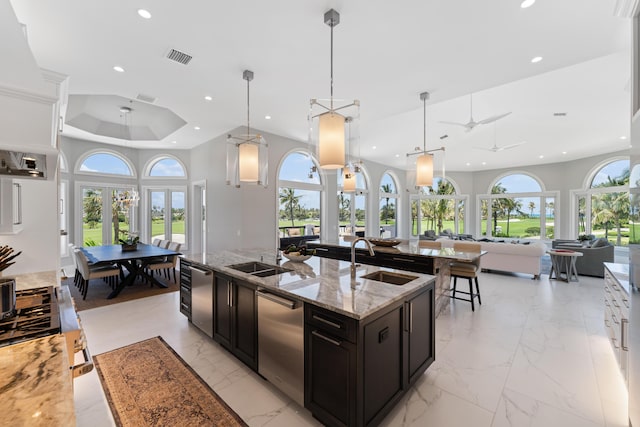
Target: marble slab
(321, 281)
(621, 273)
(35, 280)
(35, 384)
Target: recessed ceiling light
(374, 147)
(119, 69)
(527, 3)
(397, 155)
(196, 127)
(564, 152)
(484, 163)
(174, 142)
(144, 13)
(468, 164)
(536, 59)
(541, 156)
(208, 98)
(623, 137)
(267, 117)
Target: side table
(563, 260)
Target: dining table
(134, 261)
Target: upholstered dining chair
(168, 263)
(90, 272)
(429, 244)
(466, 270)
(164, 244)
(156, 242)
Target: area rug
(148, 384)
(99, 290)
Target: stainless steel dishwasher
(202, 299)
(281, 343)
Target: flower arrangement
(584, 237)
(130, 242)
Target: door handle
(322, 337)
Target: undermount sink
(259, 269)
(390, 278)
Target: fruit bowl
(296, 257)
(385, 242)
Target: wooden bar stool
(466, 270)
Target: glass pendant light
(424, 162)
(247, 154)
(327, 123)
(349, 169)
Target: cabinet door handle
(615, 319)
(403, 259)
(322, 337)
(327, 322)
(615, 303)
(322, 249)
(410, 317)
(623, 334)
(229, 297)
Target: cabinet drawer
(337, 325)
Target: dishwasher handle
(291, 305)
(205, 272)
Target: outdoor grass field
(157, 227)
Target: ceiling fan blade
(506, 147)
(493, 118)
(456, 124)
(486, 149)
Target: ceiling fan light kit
(327, 119)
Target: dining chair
(88, 272)
(164, 244)
(74, 258)
(466, 270)
(168, 264)
(156, 242)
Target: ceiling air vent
(559, 114)
(181, 57)
(146, 98)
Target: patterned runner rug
(148, 384)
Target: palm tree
(532, 206)
(290, 201)
(498, 205)
(386, 188)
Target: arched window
(603, 208)
(299, 195)
(105, 163)
(518, 207)
(438, 209)
(165, 166)
(352, 206)
(388, 206)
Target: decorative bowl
(385, 242)
(296, 258)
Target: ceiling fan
(472, 123)
(495, 147)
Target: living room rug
(148, 384)
(99, 290)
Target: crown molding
(626, 8)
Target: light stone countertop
(35, 384)
(621, 273)
(35, 280)
(321, 281)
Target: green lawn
(157, 228)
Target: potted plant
(130, 242)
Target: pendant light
(130, 198)
(424, 162)
(247, 153)
(327, 125)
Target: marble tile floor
(534, 354)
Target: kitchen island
(365, 342)
(406, 256)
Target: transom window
(166, 167)
(105, 163)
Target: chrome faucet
(353, 253)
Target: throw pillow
(598, 243)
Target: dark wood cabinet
(235, 319)
(419, 327)
(356, 371)
(185, 288)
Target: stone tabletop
(321, 281)
(35, 384)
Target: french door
(107, 214)
(166, 214)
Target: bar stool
(466, 270)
